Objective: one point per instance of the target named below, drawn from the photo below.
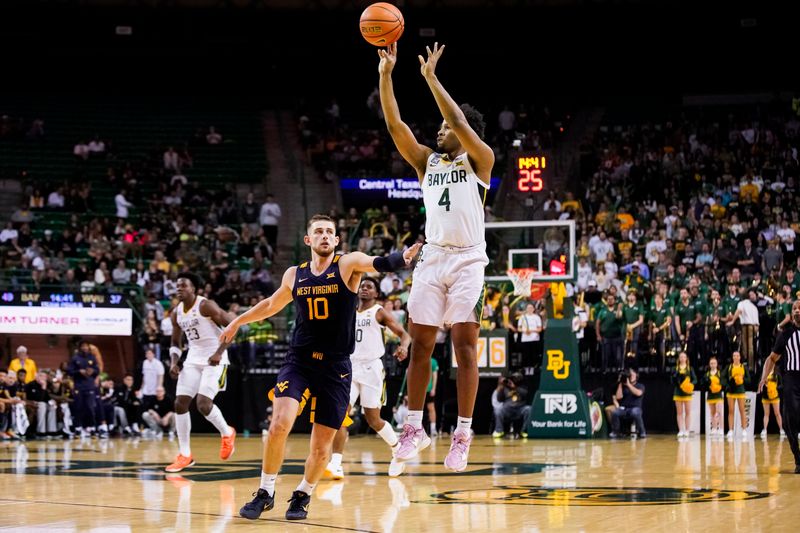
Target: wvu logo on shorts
(556, 363)
(282, 385)
(317, 355)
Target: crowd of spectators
(686, 235)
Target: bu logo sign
(561, 403)
(556, 364)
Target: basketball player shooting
(324, 291)
(448, 279)
(203, 373)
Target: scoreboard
(62, 299)
(65, 313)
(530, 171)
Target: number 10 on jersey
(317, 308)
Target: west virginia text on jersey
(326, 312)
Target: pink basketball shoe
(412, 441)
(456, 459)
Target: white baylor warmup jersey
(454, 197)
(201, 332)
(369, 336)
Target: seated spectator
(96, 146)
(37, 392)
(171, 159)
(630, 395)
(61, 391)
(511, 404)
(161, 416)
(122, 274)
(13, 420)
(128, 406)
(81, 151)
(55, 200)
(22, 361)
(36, 200)
(9, 233)
(213, 136)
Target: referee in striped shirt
(786, 354)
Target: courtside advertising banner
(66, 320)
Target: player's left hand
(401, 353)
(411, 252)
(428, 68)
(215, 359)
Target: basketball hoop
(523, 285)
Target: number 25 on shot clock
(529, 172)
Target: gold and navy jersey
(325, 312)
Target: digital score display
(61, 299)
(530, 172)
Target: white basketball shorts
(367, 384)
(201, 379)
(447, 287)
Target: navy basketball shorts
(327, 376)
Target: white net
(522, 279)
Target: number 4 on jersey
(445, 199)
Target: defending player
(368, 373)
(204, 372)
(448, 280)
(324, 295)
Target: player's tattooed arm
(412, 151)
(263, 309)
(480, 154)
(388, 320)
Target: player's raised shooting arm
(412, 151)
(265, 308)
(480, 154)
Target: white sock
(103, 427)
(183, 424)
(268, 483)
(387, 434)
(415, 419)
(464, 423)
(306, 487)
(216, 418)
(336, 459)
(433, 428)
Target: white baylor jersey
(369, 336)
(454, 197)
(201, 332)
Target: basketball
(381, 24)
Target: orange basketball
(381, 24)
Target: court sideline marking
(292, 522)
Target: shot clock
(529, 171)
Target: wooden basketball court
(655, 484)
